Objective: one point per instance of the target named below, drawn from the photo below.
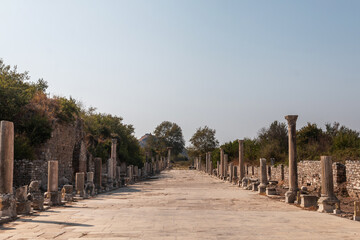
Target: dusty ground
(181, 204)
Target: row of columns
(327, 202)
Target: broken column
(90, 186)
(53, 195)
(226, 160)
(230, 170)
(241, 160)
(98, 172)
(328, 202)
(67, 193)
(263, 176)
(222, 170)
(23, 204)
(36, 196)
(113, 157)
(7, 199)
(79, 185)
(290, 196)
(169, 157)
(282, 172)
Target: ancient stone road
(181, 205)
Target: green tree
(273, 141)
(167, 134)
(203, 141)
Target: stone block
(270, 191)
(308, 201)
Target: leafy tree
(167, 134)
(312, 142)
(251, 151)
(203, 141)
(101, 128)
(273, 141)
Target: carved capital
(291, 119)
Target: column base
(262, 188)
(7, 205)
(23, 207)
(290, 196)
(53, 198)
(270, 191)
(328, 204)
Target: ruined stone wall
(26, 171)
(67, 146)
(353, 178)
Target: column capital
(291, 119)
(114, 141)
(240, 141)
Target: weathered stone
(356, 211)
(98, 172)
(169, 157)
(113, 157)
(7, 199)
(328, 201)
(80, 184)
(53, 195)
(241, 160)
(308, 201)
(226, 160)
(255, 186)
(263, 177)
(67, 193)
(270, 191)
(290, 196)
(37, 197)
(23, 204)
(90, 186)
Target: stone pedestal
(308, 201)
(37, 197)
(270, 191)
(255, 186)
(328, 201)
(263, 176)
(290, 196)
(23, 204)
(90, 186)
(67, 193)
(7, 199)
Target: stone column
(113, 157)
(290, 196)
(226, 160)
(169, 157)
(53, 194)
(282, 172)
(230, 172)
(98, 171)
(222, 170)
(241, 160)
(7, 198)
(80, 184)
(328, 201)
(110, 166)
(263, 176)
(269, 172)
(218, 168)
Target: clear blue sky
(235, 66)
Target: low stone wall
(353, 178)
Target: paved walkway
(181, 205)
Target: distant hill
(143, 139)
